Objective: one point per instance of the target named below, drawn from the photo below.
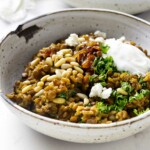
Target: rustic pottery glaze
(18, 47)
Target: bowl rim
(65, 123)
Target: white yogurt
(127, 57)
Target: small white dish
(128, 6)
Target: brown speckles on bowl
(16, 51)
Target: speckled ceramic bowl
(128, 6)
(17, 49)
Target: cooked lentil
(57, 83)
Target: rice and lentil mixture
(74, 80)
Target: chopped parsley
(119, 105)
(145, 92)
(102, 107)
(120, 100)
(142, 82)
(63, 95)
(137, 113)
(93, 77)
(139, 96)
(127, 87)
(66, 95)
(104, 48)
(102, 66)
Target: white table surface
(14, 135)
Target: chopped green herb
(121, 103)
(136, 112)
(93, 77)
(102, 107)
(72, 93)
(102, 66)
(141, 80)
(143, 83)
(95, 61)
(137, 96)
(120, 100)
(104, 48)
(102, 77)
(63, 95)
(66, 95)
(103, 84)
(140, 95)
(145, 92)
(127, 87)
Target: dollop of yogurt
(99, 91)
(128, 57)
